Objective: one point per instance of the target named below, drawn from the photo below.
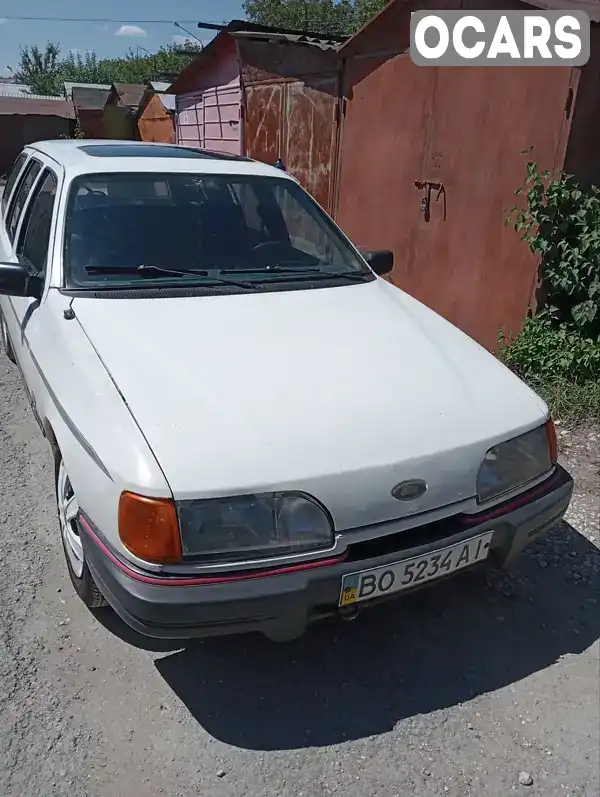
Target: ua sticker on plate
(350, 590)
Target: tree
(321, 16)
(46, 72)
(40, 70)
(365, 10)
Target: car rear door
(13, 175)
(28, 227)
(11, 220)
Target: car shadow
(113, 623)
(426, 652)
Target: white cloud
(180, 40)
(130, 30)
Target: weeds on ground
(562, 367)
(570, 403)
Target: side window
(12, 177)
(35, 230)
(22, 192)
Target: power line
(103, 20)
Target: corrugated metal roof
(237, 25)
(24, 91)
(160, 87)
(243, 29)
(88, 98)
(322, 42)
(130, 94)
(14, 90)
(168, 100)
(70, 86)
(36, 106)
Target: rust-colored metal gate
(297, 122)
(467, 262)
(383, 146)
(430, 160)
(156, 123)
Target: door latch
(427, 187)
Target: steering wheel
(269, 245)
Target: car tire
(79, 572)
(6, 344)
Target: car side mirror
(380, 260)
(15, 280)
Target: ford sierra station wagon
(251, 429)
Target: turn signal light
(552, 442)
(149, 529)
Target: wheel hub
(68, 509)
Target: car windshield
(123, 228)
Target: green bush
(561, 221)
(558, 351)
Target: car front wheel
(68, 509)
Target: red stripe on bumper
(177, 581)
(508, 506)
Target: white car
(252, 430)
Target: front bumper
(282, 603)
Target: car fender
(85, 417)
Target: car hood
(339, 392)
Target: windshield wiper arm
(275, 269)
(301, 273)
(144, 270)
(353, 276)
(157, 271)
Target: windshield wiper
(274, 269)
(143, 270)
(157, 271)
(306, 273)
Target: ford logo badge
(409, 490)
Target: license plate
(362, 586)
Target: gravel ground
(467, 689)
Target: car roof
(85, 156)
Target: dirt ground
(467, 689)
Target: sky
(128, 24)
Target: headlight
(253, 527)
(516, 462)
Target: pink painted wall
(209, 116)
(189, 120)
